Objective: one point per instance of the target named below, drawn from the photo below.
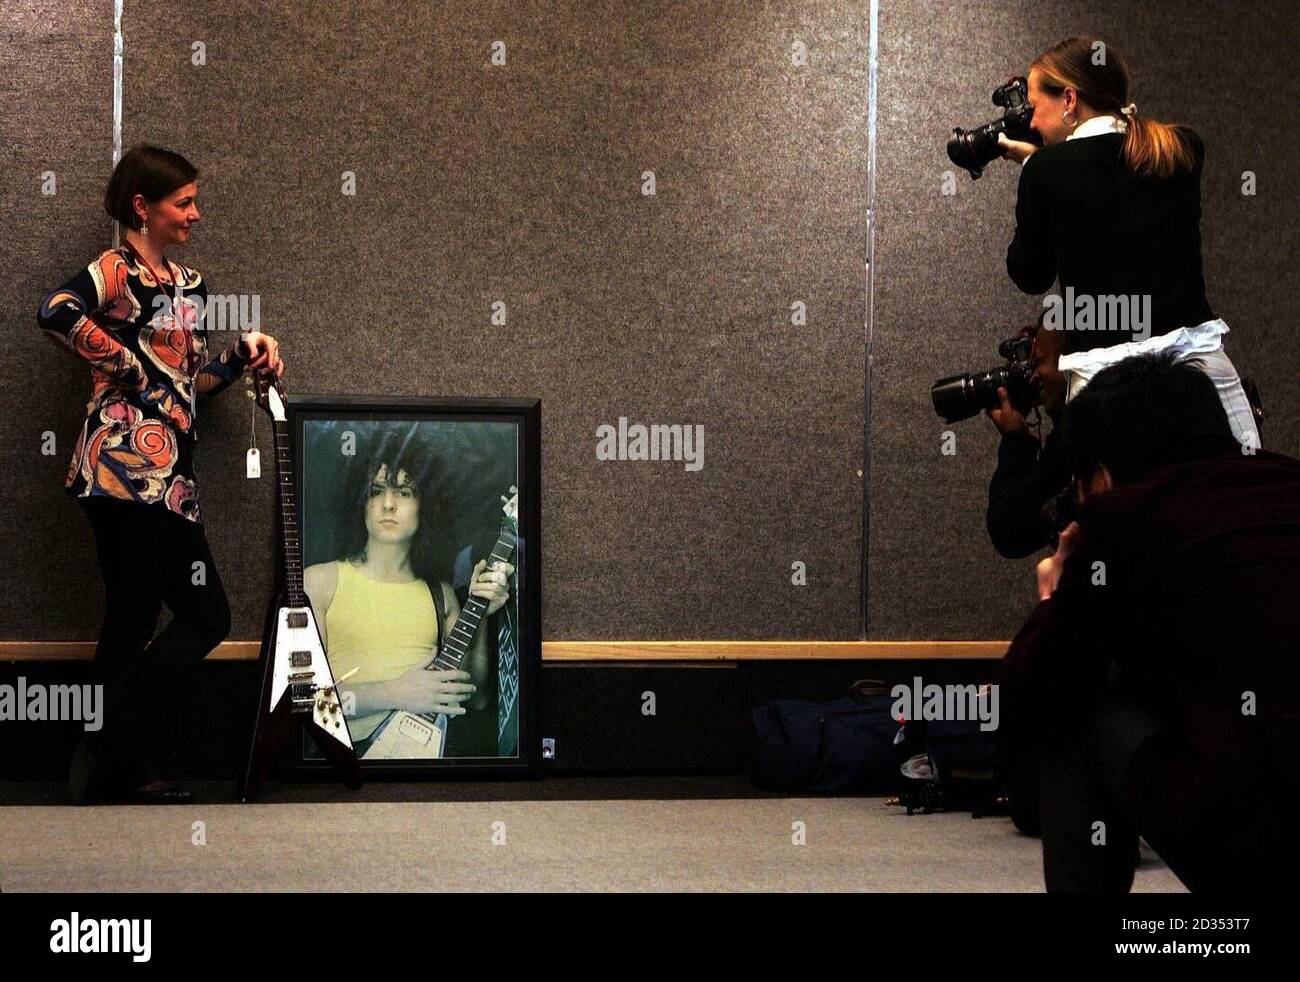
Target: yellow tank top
(381, 629)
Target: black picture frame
(392, 416)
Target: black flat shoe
(79, 775)
(90, 775)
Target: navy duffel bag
(847, 745)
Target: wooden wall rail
(618, 651)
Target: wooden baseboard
(769, 650)
(617, 651)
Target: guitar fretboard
(456, 646)
(288, 515)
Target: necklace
(177, 317)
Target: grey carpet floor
(852, 844)
(555, 787)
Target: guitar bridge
(302, 690)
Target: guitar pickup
(300, 659)
(297, 618)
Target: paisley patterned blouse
(147, 362)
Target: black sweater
(1082, 216)
(1026, 477)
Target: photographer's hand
(1017, 150)
(1006, 417)
(1049, 569)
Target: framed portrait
(420, 544)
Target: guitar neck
(457, 644)
(289, 537)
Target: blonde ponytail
(1156, 149)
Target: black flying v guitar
(297, 684)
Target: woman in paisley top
(134, 316)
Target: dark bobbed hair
(430, 554)
(147, 170)
(1143, 413)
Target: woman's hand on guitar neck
(264, 353)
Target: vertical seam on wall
(872, 52)
(117, 94)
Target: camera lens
(960, 397)
(973, 150)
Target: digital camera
(959, 397)
(974, 149)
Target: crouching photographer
(1025, 494)
(1158, 677)
(1030, 497)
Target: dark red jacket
(1189, 581)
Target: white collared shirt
(1095, 127)
(1099, 125)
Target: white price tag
(254, 463)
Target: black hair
(1143, 413)
(147, 170)
(400, 451)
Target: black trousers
(1089, 834)
(149, 557)
(1240, 835)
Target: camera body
(974, 149)
(959, 397)
(1057, 513)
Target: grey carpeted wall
(522, 183)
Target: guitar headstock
(268, 393)
(511, 506)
